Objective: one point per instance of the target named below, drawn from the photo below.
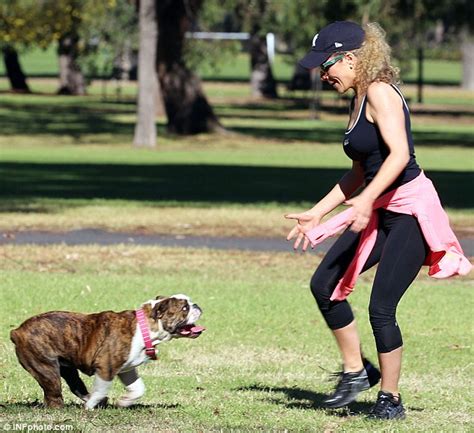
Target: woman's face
(340, 74)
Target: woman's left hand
(362, 207)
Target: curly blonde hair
(374, 59)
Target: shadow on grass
(213, 184)
(268, 113)
(271, 105)
(75, 118)
(38, 405)
(298, 398)
(29, 405)
(68, 119)
(150, 407)
(325, 135)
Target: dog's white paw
(126, 401)
(134, 392)
(84, 398)
(101, 404)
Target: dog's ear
(159, 309)
(159, 297)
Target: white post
(271, 47)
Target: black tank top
(363, 142)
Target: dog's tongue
(192, 329)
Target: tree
(14, 71)
(467, 48)
(413, 20)
(457, 18)
(89, 36)
(187, 108)
(256, 17)
(252, 13)
(71, 78)
(28, 23)
(15, 33)
(145, 128)
(79, 27)
(408, 23)
(105, 50)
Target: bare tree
(145, 128)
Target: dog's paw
(127, 401)
(134, 392)
(84, 398)
(102, 404)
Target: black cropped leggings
(400, 251)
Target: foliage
(40, 23)
(104, 42)
(26, 23)
(30, 22)
(211, 55)
(409, 23)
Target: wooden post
(420, 75)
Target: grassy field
(37, 62)
(259, 366)
(67, 163)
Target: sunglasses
(326, 65)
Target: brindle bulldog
(107, 344)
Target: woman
(381, 227)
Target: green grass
(257, 367)
(275, 173)
(436, 71)
(238, 68)
(38, 62)
(67, 162)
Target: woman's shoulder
(379, 88)
(379, 91)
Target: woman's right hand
(305, 221)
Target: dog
(107, 344)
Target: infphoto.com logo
(36, 427)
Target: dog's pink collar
(142, 323)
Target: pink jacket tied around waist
(418, 198)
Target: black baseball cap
(335, 37)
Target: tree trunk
(71, 80)
(467, 48)
(420, 58)
(262, 81)
(301, 79)
(145, 128)
(14, 72)
(187, 108)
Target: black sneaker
(351, 384)
(387, 407)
